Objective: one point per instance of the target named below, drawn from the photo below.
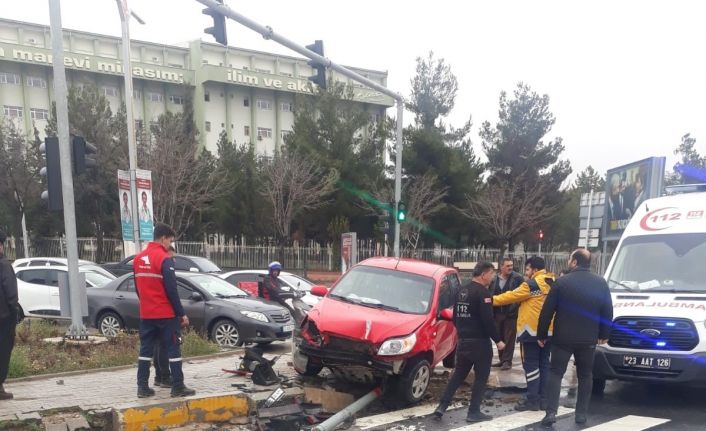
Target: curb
(161, 414)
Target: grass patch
(33, 356)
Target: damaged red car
(387, 320)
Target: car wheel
(414, 382)
(110, 324)
(450, 360)
(225, 333)
(598, 387)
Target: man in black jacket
(506, 316)
(473, 318)
(8, 315)
(582, 309)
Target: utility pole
(76, 286)
(125, 14)
(268, 33)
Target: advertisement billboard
(144, 196)
(626, 188)
(126, 218)
(349, 251)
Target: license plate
(288, 328)
(647, 362)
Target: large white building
(249, 94)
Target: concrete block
(29, 416)
(330, 400)
(78, 424)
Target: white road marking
(398, 415)
(509, 422)
(629, 423)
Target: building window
(263, 132)
(263, 104)
(177, 100)
(246, 130)
(33, 81)
(136, 95)
(10, 78)
(138, 126)
(39, 114)
(110, 92)
(376, 118)
(246, 102)
(262, 70)
(207, 97)
(207, 126)
(285, 133)
(155, 97)
(287, 107)
(13, 111)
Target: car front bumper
(686, 368)
(260, 332)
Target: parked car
(38, 287)
(385, 319)
(182, 263)
(60, 261)
(215, 307)
(244, 279)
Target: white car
(60, 261)
(290, 280)
(38, 287)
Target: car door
(445, 331)
(195, 310)
(33, 291)
(127, 303)
(52, 280)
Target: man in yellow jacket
(535, 359)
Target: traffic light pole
(131, 144)
(77, 329)
(269, 33)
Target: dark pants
(161, 362)
(507, 328)
(7, 342)
(583, 358)
(152, 333)
(476, 354)
(535, 361)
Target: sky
(626, 79)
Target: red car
(385, 319)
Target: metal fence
(312, 257)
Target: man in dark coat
(8, 315)
(506, 280)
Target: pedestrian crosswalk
(418, 418)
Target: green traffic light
(401, 212)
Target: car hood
(351, 321)
(247, 303)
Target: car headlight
(397, 346)
(254, 315)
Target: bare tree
(293, 185)
(508, 207)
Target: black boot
(5, 395)
(477, 417)
(549, 419)
(439, 412)
(580, 418)
(181, 390)
(525, 405)
(144, 392)
(166, 382)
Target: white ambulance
(657, 277)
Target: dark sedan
(215, 307)
(182, 263)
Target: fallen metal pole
(331, 423)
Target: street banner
(349, 251)
(144, 196)
(126, 219)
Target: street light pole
(131, 145)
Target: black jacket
(8, 289)
(512, 283)
(473, 313)
(582, 309)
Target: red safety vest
(149, 283)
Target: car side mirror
(193, 269)
(196, 297)
(447, 314)
(319, 290)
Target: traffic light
(320, 77)
(81, 152)
(218, 31)
(52, 171)
(401, 212)
(540, 234)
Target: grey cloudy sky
(626, 78)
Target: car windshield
(216, 286)
(95, 268)
(205, 264)
(97, 279)
(654, 263)
(385, 288)
(297, 282)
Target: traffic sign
(591, 233)
(592, 242)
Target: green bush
(195, 344)
(20, 365)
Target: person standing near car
(582, 309)
(162, 375)
(506, 280)
(473, 318)
(161, 312)
(8, 315)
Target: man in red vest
(161, 312)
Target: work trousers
(161, 362)
(476, 354)
(535, 361)
(7, 343)
(152, 333)
(507, 328)
(583, 357)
